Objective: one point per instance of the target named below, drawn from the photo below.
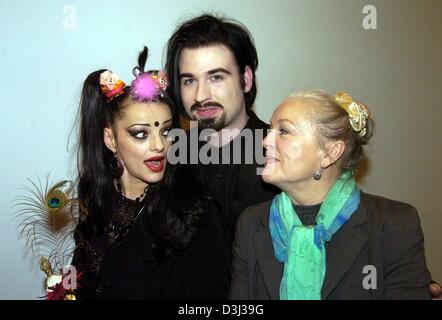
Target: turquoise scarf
(301, 248)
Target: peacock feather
(47, 214)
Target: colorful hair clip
(111, 85)
(358, 112)
(149, 85)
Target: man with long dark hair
(211, 64)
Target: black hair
(171, 221)
(207, 30)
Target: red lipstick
(155, 164)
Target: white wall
(396, 70)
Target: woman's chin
(269, 169)
(152, 177)
(268, 175)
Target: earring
(116, 166)
(317, 175)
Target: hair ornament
(111, 85)
(147, 86)
(358, 112)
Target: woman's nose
(156, 144)
(269, 140)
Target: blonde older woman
(322, 238)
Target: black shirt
(307, 214)
(235, 186)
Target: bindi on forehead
(147, 124)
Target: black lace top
(123, 213)
(90, 252)
(118, 262)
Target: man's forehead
(206, 59)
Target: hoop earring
(116, 166)
(317, 175)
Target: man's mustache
(208, 104)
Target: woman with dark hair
(322, 237)
(146, 231)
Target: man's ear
(248, 79)
(333, 153)
(109, 139)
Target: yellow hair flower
(358, 112)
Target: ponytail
(93, 158)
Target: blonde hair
(332, 123)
